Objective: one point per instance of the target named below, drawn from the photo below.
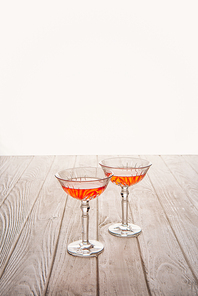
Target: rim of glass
(129, 167)
(74, 181)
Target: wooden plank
(18, 226)
(120, 266)
(181, 214)
(166, 269)
(11, 169)
(16, 208)
(185, 174)
(74, 275)
(192, 160)
(158, 262)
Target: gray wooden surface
(38, 220)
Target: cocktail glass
(84, 184)
(126, 171)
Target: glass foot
(120, 230)
(94, 248)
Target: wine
(127, 171)
(127, 180)
(84, 193)
(84, 184)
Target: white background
(107, 77)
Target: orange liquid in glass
(127, 181)
(85, 194)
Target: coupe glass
(84, 184)
(126, 171)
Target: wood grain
(186, 176)
(38, 220)
(17, 214)
(18, 205)
(192, 160)
(180, 212)
(167, 271)
(11, 169)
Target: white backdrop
(107, 77)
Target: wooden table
(38, 220)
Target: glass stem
(85, 222)
(124, 194)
